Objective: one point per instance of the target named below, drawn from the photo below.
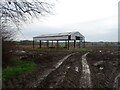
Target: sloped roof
(57, 34)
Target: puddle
(86, 77)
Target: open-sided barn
(68, 36)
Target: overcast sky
(97, 20)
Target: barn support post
(74, 43)
(79, 44)
(68, 44)
(33, 43)
(84, 43)
(65, 43)
(47, 43)
(57, 43)
(40, 44)
(52, 43)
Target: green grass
(85, 49)
(20, 67)
(0, 73)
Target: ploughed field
(96, 68)
(105, 67)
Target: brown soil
(104, 66)
(44, 60)
(65, 76)
(103, 63)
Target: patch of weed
(85, 49)
(20, 67)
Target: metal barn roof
(59, 36)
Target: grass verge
(20, 67)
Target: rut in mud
(47, 72)
(86, 77)
(64, 76)
(70, 74)
(116, 82)
(105, 68)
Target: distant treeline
(30, 42)
(24, 42)
(95, 44)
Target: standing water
(85, 81)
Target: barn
(67, 37)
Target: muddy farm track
(95, 69)
(67, 75)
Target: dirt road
(78, 71)
(72, 72)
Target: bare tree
(23, 10)
(17, 11)
(7, 33)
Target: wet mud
(99, 68)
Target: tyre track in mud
(47, 72)
(66, 76)
(116, 82)
(104, 69)
(85, 81)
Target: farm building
(60, 37)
